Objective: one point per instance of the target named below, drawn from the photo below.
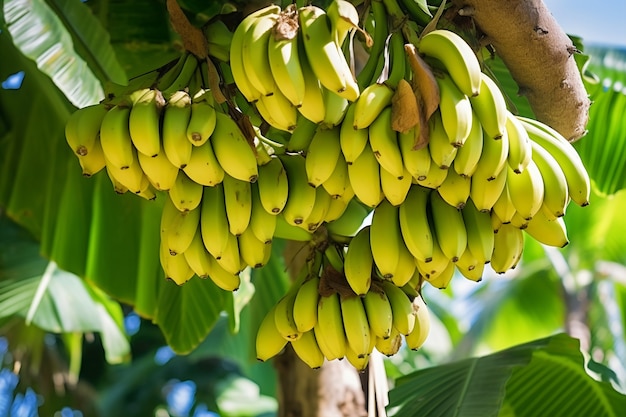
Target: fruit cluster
(449, 189)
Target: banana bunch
(290, 64)
(324, 319)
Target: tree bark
(538, 54)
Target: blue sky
(598, 22)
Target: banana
(349, 221)
(203, 166)
(421, 329)
(318, 214)
(507, 248)
(201, 122)
(181, 230)
(269, 342)
(226, 280)
(391, 345)
(526, 190)
(493, 158)
(324, 55)
(131, 177)
(496, 223)
(468, 155)
(214, 220)
(344, 18)
(159, 170)
(504, 207)
(322, 155)
(456, 111)
(175, 119)
(416, 161)
(94, 161)
(183, 76)
(546, 230)
(277, 111)
(438, 263)
(338, 181)
(253, 251)
(414, 225)
(335, 107)
(288, 231)
(395, 189)
(231, 259)
(442, 279)
(305, 304)
(83, 128)
(308, 350)
(333, 257)
(175, 267)
(385, 238)
(352, 140)
(457, 57)
(115, 138)
(185, 193)
(144, 122)
(373, 100)
(405, 268)
(302, 135)
(284, 62)
(197, 257)
(434, 178)
(364, 175)
(238, 200)
(273, 186)
(479, 232)
(322, 344)
(485, 193)
(118, 187)
(355, 325)
(358, 262)
(555, 197)
(338, 207)
(384, 142)
(236, 52)
(219, 38)
(254, 54)
(232, 149)
(578, 182)
(403, 312)
(359, 363)
(301, 198)
(441, 150)
(520, 151)
(379, 313)
(331, 326)
(455, 189)
(262, 223)
(518, 221)
(448, 226)
(490, 107)
(313, 105)
(470, 267)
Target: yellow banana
(344, 18)
(442, 279)
(391, 345)
(254, 53)
(197, 256)
(379, 313)
(308, 350)
(468, 155)
(159, 170)
(526, 190)
(359, 363)
(226, 280)
(364, 175)
(395, 189)
(441, 150)
(203, 166)
(322, 344)
(352, 140)
(455, 189)
(414, 224)
(485, 193)
(83, 128)
(504, 207)
(555, 197)
(214, 220)
(330, 325)
(437, 264)
(401, 307)
(373, 100)
(94, 161)
(185, 193)
(262, 223)
(254, 252)
(416, 161)
(384, 142)
(549, 231)
(479, 232)
(335, 107)
(470, 267)
(238, 199)
(355, 325)
(421, 329)
(318, 214)
(456, 111)
(435, 176)
(322, 155)
(493, 158)
(115, 138)
(490, 107)
(131, 177)
(231, 258)
(520, 151)
(386, 238)
(175, 119)
(301, 198)
(338, 181)
(358, 262)
(457, 57)
(278, 111)
(405, 268)
(175, 267)
(339, 206)
(507, 248)
(118, 187)
(181, 230)
(305, 304)
(313, 105)
(201, 122)
(449, 227)
(518, 221)
(232, 149)
(145, 121)
(273, 186)
(269, 342)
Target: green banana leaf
(545, 377)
